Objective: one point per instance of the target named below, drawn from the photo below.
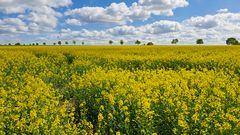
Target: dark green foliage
(110, 42)
(232, 41)
(174, 41)
(121, 42)
(74, 42)
(199, 41)
(138, 42)
(70, 58)
(59, 42)
(150, 43)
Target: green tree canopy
(110, 42)
(232, 41)
(150, 43)
(138, 42)
(59, 42)
(121, 42)
(174, 41)
(199, 41)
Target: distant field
(120, 90)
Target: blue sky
(97, 22)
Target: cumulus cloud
(73, 22)
(160, 27)
(41, 15)
(202, 22)
(162, 7)
(128, 33)
(209, 27)
(123, 30)
(115, 13)
(212, 28)
(120, 13)
(17, 6)
(221, 21)
(12, 25)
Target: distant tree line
(44, 43)
(229, 41)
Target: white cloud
(129, 34)
(163, 26)
(220, 21)
(123, 30)
(115, 13)
(162, 7)
(202, 22)
(138, 13)
(73, 22)
(224, 10)
(40, 15)
(213, 29)
(45, 18)
(122, 14)
(20, 6)
(12, 25)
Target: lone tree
(59, 42)
(138, 42)
(54, 43)
(74, 42)
(37, 43)
(17, 44)
(174, 41)
(150, 43)
(66, 43)
(44, 43)
(232, 41)
(110, 42)
(83, 43)
(121, 42)
(199, 41)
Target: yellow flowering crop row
(120, 90)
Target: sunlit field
(143, 90)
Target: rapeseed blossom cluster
(119, 90)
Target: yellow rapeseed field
(144, 90)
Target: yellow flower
(227, 126)
(110, 116)
(195, 117)
(82, 104)
(120, 103)
(100, 117)
(101, 108)
(126, 120)
(174, 130)
(118, 133)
